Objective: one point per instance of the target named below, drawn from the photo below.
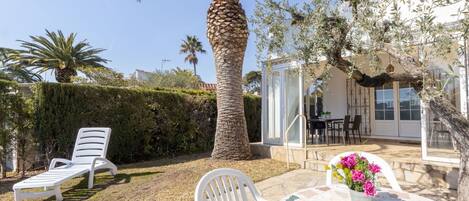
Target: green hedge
(145, 123)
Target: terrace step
(409, 173)
(403, 158)
(316, 165)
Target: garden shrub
(5, 120)
(146, 123)
(15, 124)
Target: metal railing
(285, 137)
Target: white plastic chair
(225, 184)
(386, 170)
(89, 155)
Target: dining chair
(342, 128)
(439, 131)
(226, 184)
(386, 170)
(357, 120)
(319, 126)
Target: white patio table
(340, 192)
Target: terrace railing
(285, 138)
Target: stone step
(407, 168)
(316, 165)
(411, 173)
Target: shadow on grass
(166, 161)
(7, 185)
(80, 191)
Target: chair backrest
(386, 170)
(357, 120)
(225, 184)
(91, 143)
(313, 125)
(346, 125)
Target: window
(384, 102)
(409, 102)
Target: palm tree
(191, 46)
(228, 33)
(60, 54)
(11, 70)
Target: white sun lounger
(89, 155)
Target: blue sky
(136, 35)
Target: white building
(392, 112)
(141, 75)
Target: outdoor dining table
(326, 122)
(341, 192)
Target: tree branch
(371, 81)
(452, 119)
(296, 16)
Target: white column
(264, 100)
(424, 130)
(301, 102)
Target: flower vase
(359, 196)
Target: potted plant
(358, 174)
(326, 114)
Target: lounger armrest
(54, 161)
(99, 159)
(107, 164)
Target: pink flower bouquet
(357, 173)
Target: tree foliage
(102, 76)
(177, 78)
(252, 82)
(9, 70)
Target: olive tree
(329, 32)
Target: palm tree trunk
(228, 34)
(64, 75)
(195, 69)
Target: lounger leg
(17, 195)
(58, 193)
(113, 170)
(90, 179)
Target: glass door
(385, 121)
(292, 106)
(409, 111)
(274, 134)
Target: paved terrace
(403, 151)
(278, 187)
(404, 157)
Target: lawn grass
(165, 179)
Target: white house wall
(445, 14)
(335, 94)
